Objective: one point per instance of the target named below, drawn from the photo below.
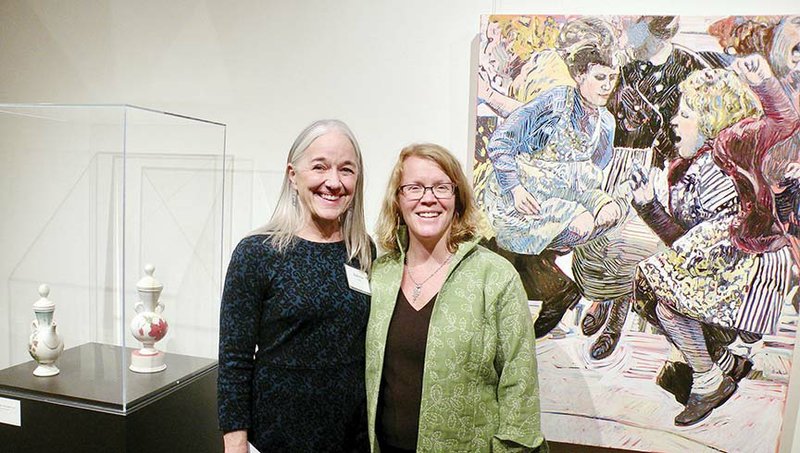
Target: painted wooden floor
(616, 402)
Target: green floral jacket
(480, 391)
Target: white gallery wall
(396, 72)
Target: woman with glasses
(451, 363)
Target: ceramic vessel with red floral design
(148, 326)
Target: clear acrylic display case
(90, 195)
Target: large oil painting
(642, 175)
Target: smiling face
(428, 219)
(325, 178)
(597, 84)
(686, 124)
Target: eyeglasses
(415, 192)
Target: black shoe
(553, 310)
(543, 280)
(676, 378)
(699, 406)
(607, 341)
(718, 339)
(741, 367)
(595, 318)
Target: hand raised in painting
(524, 202)
(753, 69)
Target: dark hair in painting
(578, 63)
(662, 27)
(585, 41)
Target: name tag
(357, 280)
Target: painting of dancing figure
(642, 174)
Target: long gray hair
(289, 214)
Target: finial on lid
(149, 283)
(44, 304)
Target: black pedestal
(84, 409)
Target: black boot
(741, 368)
(607, 341)
(553, 310)
(676, 378)
(717, 341)
(699, 406)
(543, 280)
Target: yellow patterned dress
(703, 275)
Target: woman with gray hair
(293, 321)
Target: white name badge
(357, 280)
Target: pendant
(415, 292)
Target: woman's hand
(524, 202)
(236, 442)
(642, 185)
(754, 69)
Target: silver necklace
(418, 286)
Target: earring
(294, 199)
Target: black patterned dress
(291, 349)
(646, 100)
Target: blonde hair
(719, 98)
(289, 214)
(525, 35)
(465, 220)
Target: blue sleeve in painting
(527, 130)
